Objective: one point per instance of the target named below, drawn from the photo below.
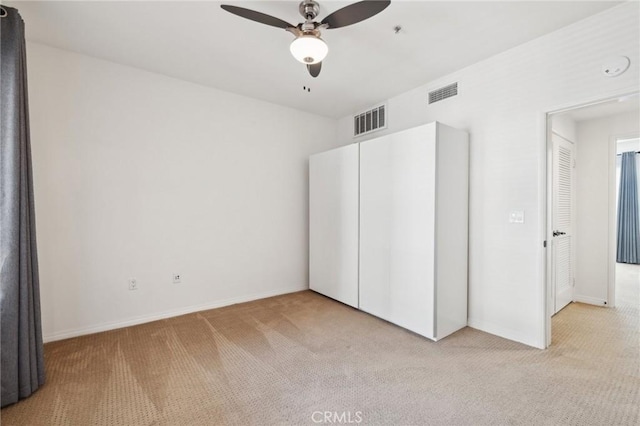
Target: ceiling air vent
(370, 121)
(443, 93)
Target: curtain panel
(21, 351)
(628, 250)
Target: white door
(333, 224)
(397, 233)
(562, 222)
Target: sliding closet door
(397, 209)
(333, 224)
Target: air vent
(443, 93)
(370, 121)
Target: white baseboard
(589, 300)
(66, 334)
(505, 332)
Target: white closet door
(397, 198)
(452, 230)
(333, 224)
(562, 207)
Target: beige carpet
(279, 360)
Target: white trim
(589, 300)
(545, 213)
(505, 333)
(613, 238)
(168, 314)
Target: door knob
(558, 233)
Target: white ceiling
(367, 62)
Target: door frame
(546, 166)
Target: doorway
(582, 143)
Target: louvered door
(562, 239)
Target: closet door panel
(397, 212)
(333, 224)
(452, 229)
(376, 225)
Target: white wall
(596, 139)
(141, 175)
(564, 126)
(501, 103)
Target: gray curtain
(21, 356)
(628, 215)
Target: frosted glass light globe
(309, 49)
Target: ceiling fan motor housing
(309, 9)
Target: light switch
(516, 216)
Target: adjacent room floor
(282, 359)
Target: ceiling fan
(308, 47)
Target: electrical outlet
(133, 284)
(176, 279)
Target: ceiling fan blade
(257, 16)
(354, 13)
(314, 69)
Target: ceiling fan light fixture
(309, 49)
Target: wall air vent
(443, 93)
(370, 121)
